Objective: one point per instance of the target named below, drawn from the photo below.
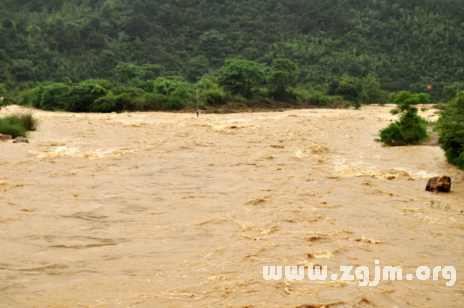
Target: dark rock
(20, 139)
(439, 183)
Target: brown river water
(170, 210)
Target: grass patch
(13, 126)
(433, 204)
(30, 123)
(18, 125)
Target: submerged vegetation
(28, 120)
(410, 128)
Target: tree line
(407, 44)
(142, 88)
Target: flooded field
(170, 210)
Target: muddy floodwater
(170, 210)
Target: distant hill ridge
(406, 43)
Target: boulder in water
(439, 184)
(20, 139)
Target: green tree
(82, 96)
(212, 43)
(371, 92)
(151, 71)
(51, 97)
(451, 131)
(411, 128)
(127, 71)
(177, 92)
(210, 92)
(107, 103)
(241, 77)
(24, 70)
(450, 92)
(349, 88)
(197, 67)
(282, 74)
(3, 90)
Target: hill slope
(407, 43)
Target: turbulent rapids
(170, 210)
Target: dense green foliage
(99, 95)
(411, 128)
(406, 43)
(238, 81)
(282, 75)
(2, 89)
(4, 99)
(451, 128)
(348, 88)
(241, 77)
(371, 92)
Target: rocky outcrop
(439, 184)
(16, 140)
(20, 140)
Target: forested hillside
(407, 44)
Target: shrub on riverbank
(411, 128)
(451, 130)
